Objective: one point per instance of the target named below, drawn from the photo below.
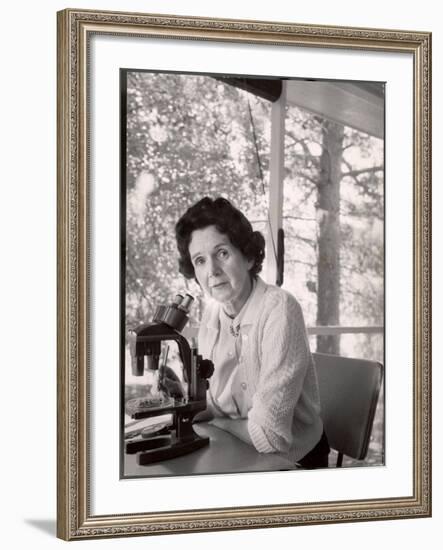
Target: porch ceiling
(359, 105)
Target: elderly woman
(264, 388)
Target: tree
(334, 208)
(329, 242)
(187, 137)
(190, 136)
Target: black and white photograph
(243, 274)
(252, 274)
(219, 240)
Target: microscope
(145, 343)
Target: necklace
(234, 330)
(228, 314)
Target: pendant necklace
(234, 330)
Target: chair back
(349, 390)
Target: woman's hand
(169, 383)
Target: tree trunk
(328, 217)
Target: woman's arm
(284, 361)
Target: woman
(264, 388)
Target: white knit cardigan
(279, 371)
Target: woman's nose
(214, 267)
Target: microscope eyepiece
(185, 304)
(177, 300)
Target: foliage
(189, 136)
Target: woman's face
(220, 268)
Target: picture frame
(79, 258)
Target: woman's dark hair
(228, 220)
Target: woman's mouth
(218, 285)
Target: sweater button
(243, 386)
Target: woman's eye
(199, 261)
(222, 253)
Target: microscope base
(152, 452)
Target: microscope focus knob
(206, 368)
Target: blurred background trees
(189, 136)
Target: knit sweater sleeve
(284, 355)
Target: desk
(224, 454)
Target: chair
(349, 390)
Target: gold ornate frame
(73, 513)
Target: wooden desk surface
(224, 454)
